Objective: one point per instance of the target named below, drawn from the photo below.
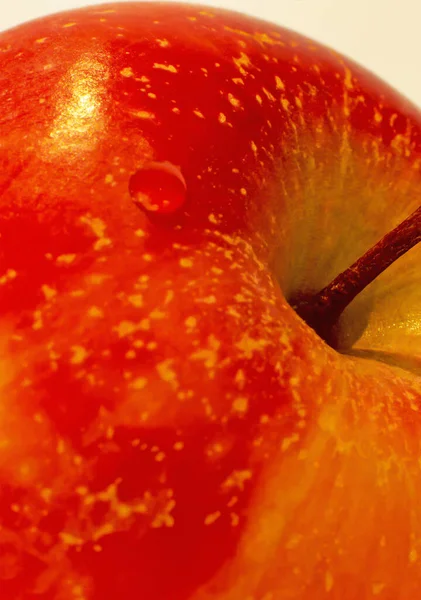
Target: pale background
(384, 35)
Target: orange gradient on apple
(170, 429)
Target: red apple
(172, 178)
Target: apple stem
(322, 310)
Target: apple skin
(169, 427)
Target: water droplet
(158, 187)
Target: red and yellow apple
(171, 178)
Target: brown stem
(322, 310)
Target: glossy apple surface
(170, 177)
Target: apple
(174, 180)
